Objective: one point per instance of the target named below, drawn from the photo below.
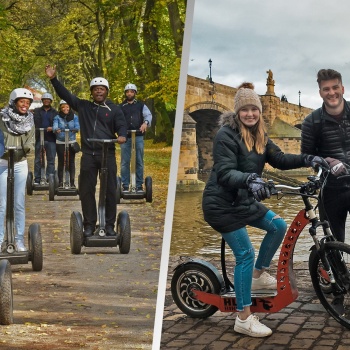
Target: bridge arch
(206, 115)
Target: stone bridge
(205, 102)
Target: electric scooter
(43, 184)
(66, 189)
(133, 194)
(199, 290)
(8, 248)
(99, 238)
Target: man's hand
(143, 127)
(50, 71)
(121, 139)
(49, 129)
(336, 166)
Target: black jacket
(100, 121)
(327, 138)
(133, 115)
(38, 119)
(227, 203)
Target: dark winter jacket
(99, 121)
(38, 121)
(324, 136)
(227, 203)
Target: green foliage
(125, 41)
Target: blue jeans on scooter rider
(232, 199)
(138, 117)
(66, 119)
(17, 129)
(43, 118)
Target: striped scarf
(17, 124)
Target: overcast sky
(294, 39)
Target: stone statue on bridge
(270, 83)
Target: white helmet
(63, 102)
(130, 86)
(99, 81)
(47, 95)
(20, 93)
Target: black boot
(88, 231)
(110, 231)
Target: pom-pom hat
(245, 96)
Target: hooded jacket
(99, 121)
(227, 204)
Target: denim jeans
(21, 173)
(125, 161)
(243, 251)
(50, 150)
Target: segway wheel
(52, 188)
(76, 232)
(6, 294)
(148, 185)
(35, 247)
(30, 184)
(124, 230)
(79, 186)
(119, 189)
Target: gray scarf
(17, 124)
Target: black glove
(315, 162)
(336, 166)
(258, 187)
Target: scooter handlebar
(103, 140)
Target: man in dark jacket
(43, 118)
(99, 119)
(138, 117)
(326, 133)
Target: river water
(192, 236)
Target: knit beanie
(245, 96)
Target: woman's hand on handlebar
(258, 187)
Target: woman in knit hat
(233, 194)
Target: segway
(99, 238)
(43, 184)
(133, 193)
(8, 248)
(66, 189)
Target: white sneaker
(20, 246)
(265, 281)
(252, 326)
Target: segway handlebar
(103, 140)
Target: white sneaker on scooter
(20, 246)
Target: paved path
(99, 299)
(302, 325)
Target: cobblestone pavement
(304, 324)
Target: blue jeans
(125, 161)
(50, 150)
(243, 251)
(21, 173)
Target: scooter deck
(15, 257)
(133, 195)
(101, 241)
(61, 191)
(261, 293)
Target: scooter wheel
(30, 183)
(124, 231)
(148, 185)
(35, 247)
(119, 189)
(57, 182)
(52, 188)
(189, 276)
(6, 294)
(76, 232)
